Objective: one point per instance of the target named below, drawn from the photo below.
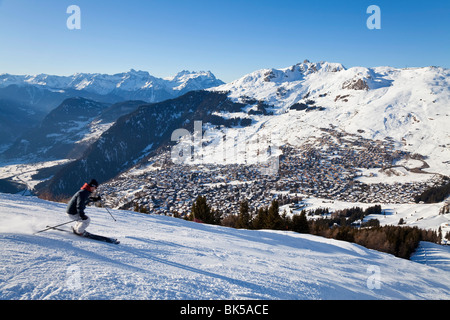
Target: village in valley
(329, 166)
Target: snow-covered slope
(167, 258)
(425, 216)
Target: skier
(76, 206)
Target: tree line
(435, 194)
(345, 225)
(263, 218)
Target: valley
(325, 168)
(309, 131)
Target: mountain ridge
(409, 105)
(358, 134)
(135, 136)
(405, 106)
(120, 83)
(39, 95)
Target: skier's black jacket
(78, 203)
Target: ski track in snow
(167, 258)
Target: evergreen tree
(300, 223)
(439, 235)
(261, 218)
(202, 211)
(286, 221)
(216, 217)
(243, 221)
(273, 220)
(435, 194)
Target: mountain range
(408, 106)
(131, 85)
(69, 129)
(354, 131)
(37, 95)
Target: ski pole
(56, 226)
(103, 205)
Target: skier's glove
(95, 199)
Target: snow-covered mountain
(68, 130)
(378, 135)
(410, 106)
(322, 113)
(16, 118)
(135, 136)
(406, 108)
(164, 258)
(29, 98)
(131, 85)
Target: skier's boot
(77, 233)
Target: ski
(90, 236)
(99, 238)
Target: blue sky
(230, 38)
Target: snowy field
(165, 258)
(23, 172)
(424, 216)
